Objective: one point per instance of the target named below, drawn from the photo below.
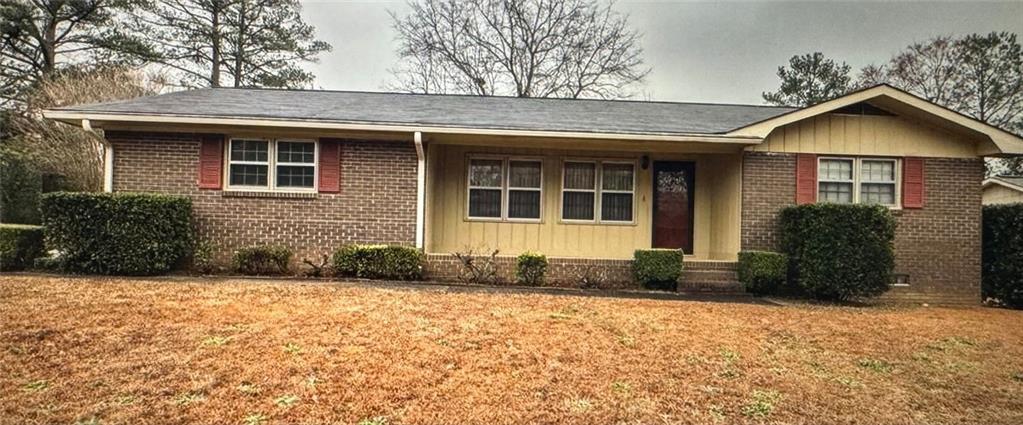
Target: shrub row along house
(585, 182)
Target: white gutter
(108, 168)
(420, 187)
(108, 160)
(74, 116)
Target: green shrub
(379, 262)
(262, 260)
(20, 245)
(20, 187)
(658, 268)
(202, 258)
(531, 268)
(839, 252)
(762, 272)
(1002, 254)
(117, 233)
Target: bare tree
(71, 152)
(929, 69)
(524, 48)
(977, 75)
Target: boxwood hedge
(658, 268)
(762, 272)
(117, 233)
(839, 252)
(19, 246)
(1002, 254)
(393, 262)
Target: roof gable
(996, 141)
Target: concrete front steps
(710, 277)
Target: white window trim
(504, 188)
(598, 191)
(857, 180)
(271, 163)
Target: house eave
(101, 120)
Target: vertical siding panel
(806, 136)
(822, 133)
(838, 133)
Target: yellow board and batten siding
(866, 135)
(716, 215)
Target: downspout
(108, 160)
(420, 188)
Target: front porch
(557, 224)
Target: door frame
(689, 166)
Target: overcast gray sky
(699, 51)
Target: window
(591, 186)
(579, 191)
(616, 192)
(502, 188)
(272, 164)
(858, 180)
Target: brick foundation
(938, 246)
(376, 204)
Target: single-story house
(586, 182)
(1003, 190)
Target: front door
(673, 205)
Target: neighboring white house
(1003, 190)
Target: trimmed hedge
(20, 245)
(839, 251)
(1002, 254)
(531, 268)
(658, 268)
(262, 260)
(391, 262)
(117, 233)
(762, 272)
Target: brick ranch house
(586, 182)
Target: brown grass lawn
(137, 351)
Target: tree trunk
(49, 47)
(215, 56)
(239, 48)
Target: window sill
(268, 194)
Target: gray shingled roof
(595, 116)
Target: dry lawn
(242, 352)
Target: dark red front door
(673, 205)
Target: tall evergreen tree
(240, 43)
(39, 38)
(810, 79)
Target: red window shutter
(211, 161)
(806, 178)
(330, 165)
(913, 183)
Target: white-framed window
(271, 164)
(505, 188)
(598, 191)
(858, 180)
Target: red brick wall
(376, 204)
(938, 246)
